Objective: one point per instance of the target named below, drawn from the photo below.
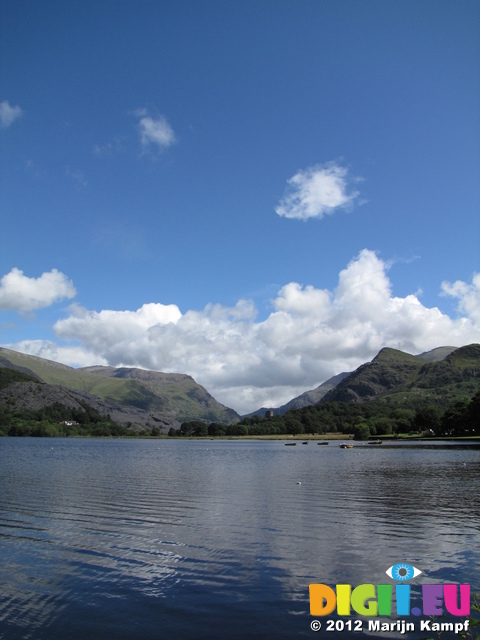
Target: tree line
(363, 420)
(58, 420)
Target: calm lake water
(160, 539)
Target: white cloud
(21, 293)
(315, 192)
(9, 114)
(105, 330)
(468, 296)
(154, 131)
(74, 356)
(311, 334)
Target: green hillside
(407, 381)
(170, 396)
(9, 376)
(394, 393)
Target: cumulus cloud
(74, 356)
(154, 132)
(21, 293)
(315, 192)
(310, 335)
(468, 296)
(8, 114)
(106, 330)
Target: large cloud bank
(311, 335)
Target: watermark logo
(376, 600)
(372, 600)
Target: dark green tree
(216, 429)
(361, 430)
(427, 419)
(236, 430)
(453, 421)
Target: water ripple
(126, 537)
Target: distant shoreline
(333, 438)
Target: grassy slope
(9, 376)
(401, 379)
(173, 399)
(50, 372)
(386, 372)
(454, 378)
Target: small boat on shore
(344, 445)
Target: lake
(159, 539)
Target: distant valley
(143, 401)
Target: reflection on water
(152, 539)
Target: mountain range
(373, 380)
(132, 397)
(142, 399)
(439, 377)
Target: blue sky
(260, 194)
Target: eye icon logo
(402, 572)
